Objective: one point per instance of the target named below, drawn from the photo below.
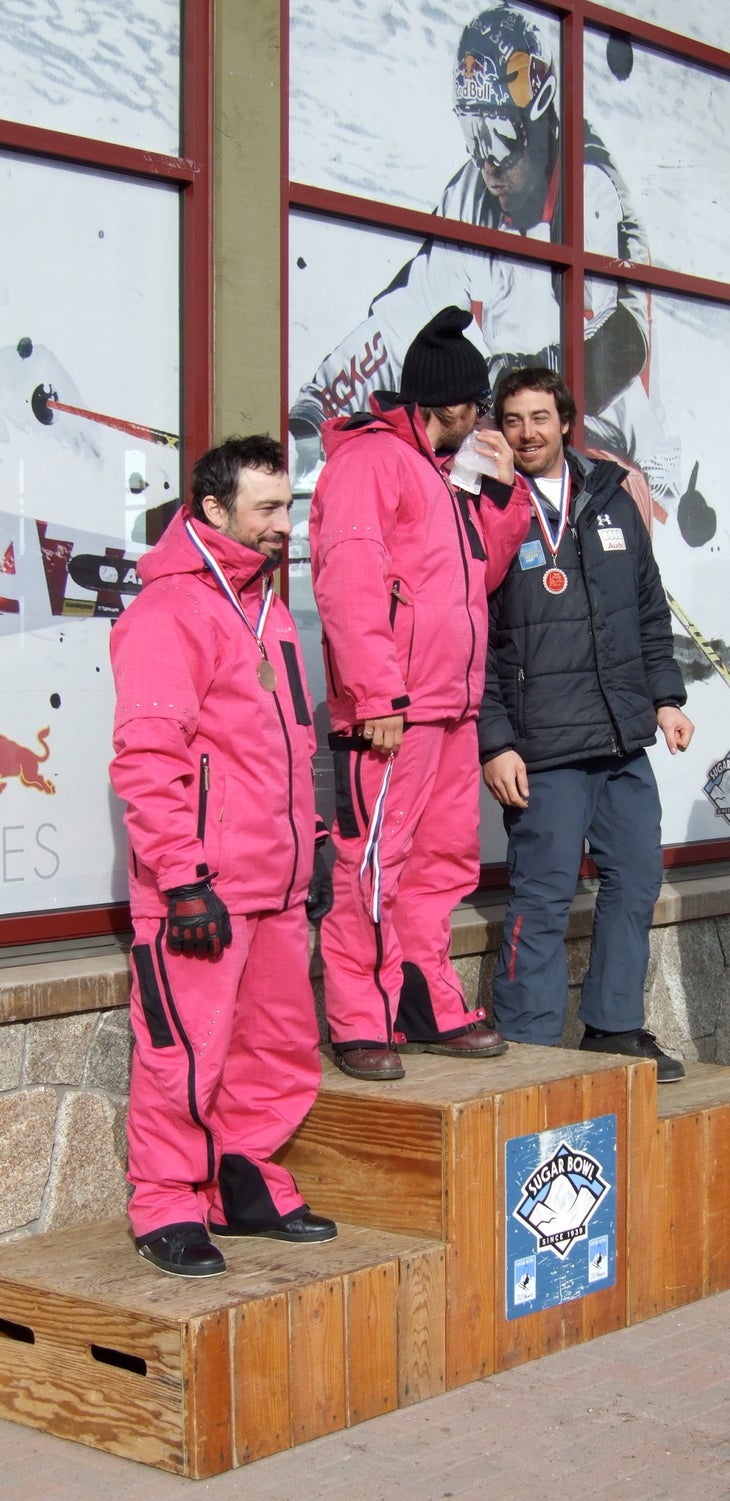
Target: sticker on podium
(560, 1215)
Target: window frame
(191, 172)
(568, 257)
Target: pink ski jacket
(401, 567)
(215, 771)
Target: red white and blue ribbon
(227, 588)
(552, 538)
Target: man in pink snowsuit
(401, 565)
(213, 740)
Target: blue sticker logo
(560, 1198)
(560, 1215)
(531, 554)
(717, 787)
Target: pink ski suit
(401, 566)
(216, 776)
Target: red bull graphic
(20, 761)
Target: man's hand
(676, 728)
(506, 777)
(494, 445)
(384, 734)
(320, 895)
(197, 921)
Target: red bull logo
(22, 762)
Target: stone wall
(65, 1042)
(64, 1083)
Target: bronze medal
(555, 581)
(266, 675)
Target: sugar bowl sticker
(560, 1190)
(717, 787)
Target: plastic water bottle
(471, 463)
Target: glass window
(357, 297)
(663, 427)
(673, 15)
(472, 119)
(659, 161)
(111, 71)
(89, 470)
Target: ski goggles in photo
(495, 138)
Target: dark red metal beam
(684, 47)
(412, 221)
(84, 151)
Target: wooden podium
(409, 1301)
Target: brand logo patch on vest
(612, 539)
(531, 555)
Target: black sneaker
(302, 1229)
(184, 1250)
(636, 1044)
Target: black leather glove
(197, 920)
(320, 895)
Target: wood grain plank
(372, 1161)
(318, 1380)
(57, 1384)
(684, 1209)
(717, 1200)
(260, 1383)
(470, 1255)
(422, 1326)
(371, 1301)
(208, 1398)
(646, 1293)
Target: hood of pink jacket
(175, 554)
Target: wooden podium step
(427, 1154)
(200, 1376)
(433, 1181)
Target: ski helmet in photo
(504, 82)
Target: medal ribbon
(230, 593)
(371, 855)
(552, 539)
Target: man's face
(259, 517)
(456, 422)
(513, 183)
(533, 429)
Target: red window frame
(191, 172)
(568, 257)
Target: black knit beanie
(441, 367)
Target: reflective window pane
(433, 109)
(357, 298)
(697, 21)
(89, 472)
(654, 178)
(110, 70)
(663, 427)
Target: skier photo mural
(473, 101)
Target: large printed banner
(393, 97)
(89, 474)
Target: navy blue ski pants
(614, 804)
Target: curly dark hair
(537, 378)
(217, 472)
